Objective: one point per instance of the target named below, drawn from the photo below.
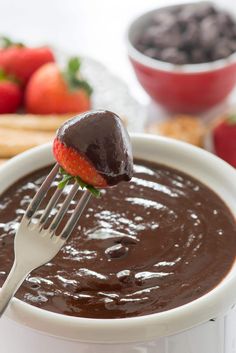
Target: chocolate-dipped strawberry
(94, 147)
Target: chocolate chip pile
(189, 34)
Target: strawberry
(10, 94)
(21, 61)
(224, 139)
(94, 148)
(51, 91)
(76, 164)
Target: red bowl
(191, 88)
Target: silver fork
(34, 245)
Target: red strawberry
(22, 62)
(77, 165)
(10, 94)
(51, 91)
(224, 138)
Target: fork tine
(50, 206)
(64, 207)
(35, 203)
(66, 232)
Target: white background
(92, 27)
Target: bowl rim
(134, 329)
(156, 64)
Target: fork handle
(12, 283)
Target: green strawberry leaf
(8, 77)
(80, 182)
(3, 75)
(76, 83)
(92, 189)
(6, 42)
(232, 119)
(95, 192)
(66, 178)
(62, 171)
(73, 65)
(73, 78)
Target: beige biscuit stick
(32, 122)
(19, 132)
(35, 122)
(13, 142)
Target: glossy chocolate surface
(101, 137)
(150, 245)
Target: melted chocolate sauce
(150, 245)
(110, 151)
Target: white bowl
(202, 165)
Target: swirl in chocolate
(101, 137)
(153, 244)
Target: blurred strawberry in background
(10, 93)
(22, 61)
(224, 139)
(51, 90)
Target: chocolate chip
(149, 35)
(232, 45)
(204, 10)
(152, 52)
(187, 14)
(224, 20)
(209, 32)
(174, 56)
(163, 39)
(221, 51)
(197, 56)
(190, 36)
(164, 19)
